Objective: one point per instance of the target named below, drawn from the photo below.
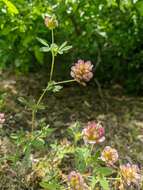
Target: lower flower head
(2, 118)
(51, 22)
(130, 174)
(93, 133)
(76, 181)
(109, 155)
(82, 71)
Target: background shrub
(108, 32)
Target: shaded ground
(121, 115)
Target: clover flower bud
(82, 71)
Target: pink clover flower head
(93, 133)
(51, 22)
(109, 155)
(130, 174)
(76, 181)
(82, 71)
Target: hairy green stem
(92, 147)
(42, 95)
(45, 90)
(66, 81)
(33, 120)
(111, 178)
(52, 36)
(53, 58)
(36, 107)
(52, 66)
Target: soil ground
(121, 115)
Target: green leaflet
(11, 7)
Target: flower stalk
(53, 57)
(46, 89)
(66, 81)
(36, 107)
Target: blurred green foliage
(108, 32)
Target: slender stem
(33, 120)
(45, 90)
(42, 95)
(98, 58)
(40, 99)
(52, 66)
(52, 36)
(35, 109)
(99, 89)
(92, 147)
(110, 178)
(53, 58)
(66, 81)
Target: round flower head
(93, 133)
(2, 118)
(130, 174)
(76, 181)
(109, 155)
(51, 22)
(82, 71)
